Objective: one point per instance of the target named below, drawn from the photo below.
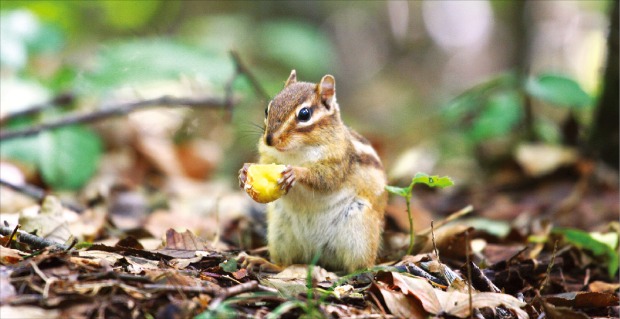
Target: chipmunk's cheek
(288, 143)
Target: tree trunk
(604, 138)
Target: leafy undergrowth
(546, 272)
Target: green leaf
(469, 103)
(229, 265)
(558, 90)
(297, 45)
(432, 181)
(400, 191)
(125, 15)
(584, 240)
(547, 130)
(24, 149)
(68, 156)
(501, 114)
(146, 61)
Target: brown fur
(336, 205)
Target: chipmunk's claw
(288, 179)
(243, 174)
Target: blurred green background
(450, 84)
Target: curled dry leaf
(50, 220)
(400, 304)
(583, 299)
(139, 264)
(9, 256)
(455, 303)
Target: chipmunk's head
(302, 114)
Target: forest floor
(532, 247)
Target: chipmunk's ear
(291, 78)
(327, 89)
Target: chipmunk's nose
(269, 139)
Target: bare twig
(458, 214)
(8, 242)
(267, 289)
(62, 99)
(471, 304)
(417, 271)
(74, 242)
(48, 280)
(479, 280)
(434, 243)
(113, 275)
(241, 288)
(29, 190)
(117, 110)
(233, 291)
(548, 273)
(37, 193)
(175, 288)
(32, 240)
(243, 69)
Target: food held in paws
(262, 182)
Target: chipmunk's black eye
(266, 111)
(304, 114)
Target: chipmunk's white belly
(315, 222)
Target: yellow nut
(262, 182)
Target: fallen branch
(62, 99)
(38, 194)
(118, 110)
(232, 291)
(32, 240)
(179, 288)
(479, 280)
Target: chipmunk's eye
(304, 114)
(267, 108)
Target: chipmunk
(334, 180)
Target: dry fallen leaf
(50, 220)
(604, 287)
(9, 256)
(183, 241)
(583, 299)
(30, 312)
(454, 303)
(139, 264)
(292, 280)
(97, 255)
(541, 159)
(400, 304)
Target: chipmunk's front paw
(288, 179)
(243, 174)
(253, 263)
